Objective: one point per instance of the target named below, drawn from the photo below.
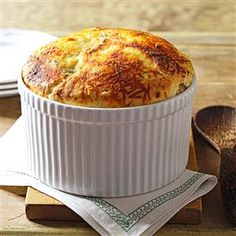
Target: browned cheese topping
(101, 67)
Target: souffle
(102, 67)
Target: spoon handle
(228, 182)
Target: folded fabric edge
(205, 185)
(11, 178)
(66, 199)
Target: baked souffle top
(102, 67)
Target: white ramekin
(107, 152)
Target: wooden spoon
(217, 124)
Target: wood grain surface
(214, 58)
(167, 15)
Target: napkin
(142, 214)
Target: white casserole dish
(107, 152)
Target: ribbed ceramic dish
(107, 152)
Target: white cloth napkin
(137, 215)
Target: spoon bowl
(217, 124)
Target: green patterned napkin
(138, 215)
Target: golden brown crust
(101, 67)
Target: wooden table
(214, 58)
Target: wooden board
(39, 206)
